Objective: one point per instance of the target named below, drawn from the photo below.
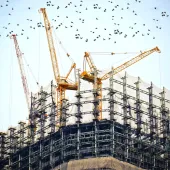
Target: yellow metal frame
(88, 76)
(63, 83)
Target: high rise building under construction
(122, 123)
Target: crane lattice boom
(51, 45)
(97, 81)
(22, 71)
(130, 62)
(63, 83)
(89, 61)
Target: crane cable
(123, 59)
(11, 86)
(117, 62)
(57, 46)
(39, 50)
(111, 53)
(1, 37)
(57, 40)
(62, 46)
(160, 70)
(27, 76)
(31, 71)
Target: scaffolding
(131, 133)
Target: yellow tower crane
(63, 83)
(91, 76)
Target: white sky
(154, 68)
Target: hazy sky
(17, 17)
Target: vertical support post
(52, 124)
(165, 123)
(126, 124)
(95, 112)
(78, 115)
(138, 120)
(152, 124)
(63, 113)
(96, 100)
(42, 119)
(125, 99)
(112, 118)
(32, 128)
(2, 145)
(42, 112)
(62, 145)
(32, 120)
(40, 153)
(152, 132)
(21, 139)
(51, 150)
(52, 118)
(164, 116)
(30, 168)
(22, 134)
(95, 138)
(52, 115)
(138, 109)
(12, 145)
(97, 86)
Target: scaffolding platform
(135, 129)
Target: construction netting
(87, 104)
(118, 86)
(87, 97)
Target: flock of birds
(81, 5)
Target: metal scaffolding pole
(2, 144)
(21, 139)
(62, 145)
(112, 117)
(125, 118)
(138, 122)
(12, 146)
(152, 125)
(95, 113)
(164, 124)
(52, 118)
(78, 115)
(129, 141)
(32, 120)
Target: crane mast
(63, 83)
(22, 71)
(97, 81)
(60, 90)
(92, 77)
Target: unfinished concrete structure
(135, 129)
